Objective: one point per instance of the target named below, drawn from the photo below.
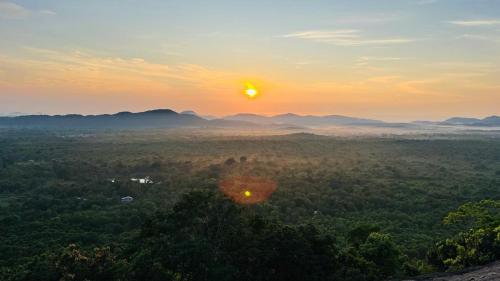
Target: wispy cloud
(9, 10)
(379, 59)
(366, 62)
(83, 70)
(47, 12)
(345, 37)
(13, 11)
(426, 2)
(485, 22)
(368, 18)
(324, 35)
(479, 37)
(463, 65)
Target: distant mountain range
(208, 117)
(304, 120)
(15, 114)
(162, 118)
(488, 121)
(166, 118)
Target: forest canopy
(334, 208)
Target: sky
(395, 60)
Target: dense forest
(219, 207)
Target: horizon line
(21, 114)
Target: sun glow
(248, 190)
(251, 92)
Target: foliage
(210, 238)
(482, 214)
(375, 205)
(476, 246)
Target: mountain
(12, 114)
(249, 117)
(166, 118)
(462, 121)
(304, 120)
(160, 118)
(327, 120)
(208, 117)
(492, 121)
(488, 121)
(152, 119)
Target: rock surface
(489, 272)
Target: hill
(160, 118)
(166, 118)
(305, 120)
(488, 121)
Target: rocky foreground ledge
(489, 272)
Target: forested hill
(166, 118)
(330, 208)
(488, 121)
(161, 118)
(306, 120)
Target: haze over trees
(166, 118)
(360, 208)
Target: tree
(230, 161)
(485, 213)
(359, 234)
(76, 265)
(381, 250)
(479, 244)
(208, 237)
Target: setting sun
(250, 91)
(240, 140)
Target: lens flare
(248, 190)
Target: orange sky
(351, 63)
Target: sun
(248, 193)
(251, 92)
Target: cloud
(367, 62)
(368, 18)
(379, 59)
(479, 37)
(324, 35)
(46, 68)
(9, 10)
(345, 37)
(448, 66)
(476, 22)
(47, 12)
(426, 2)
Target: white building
(127, 199)
(142, 181)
